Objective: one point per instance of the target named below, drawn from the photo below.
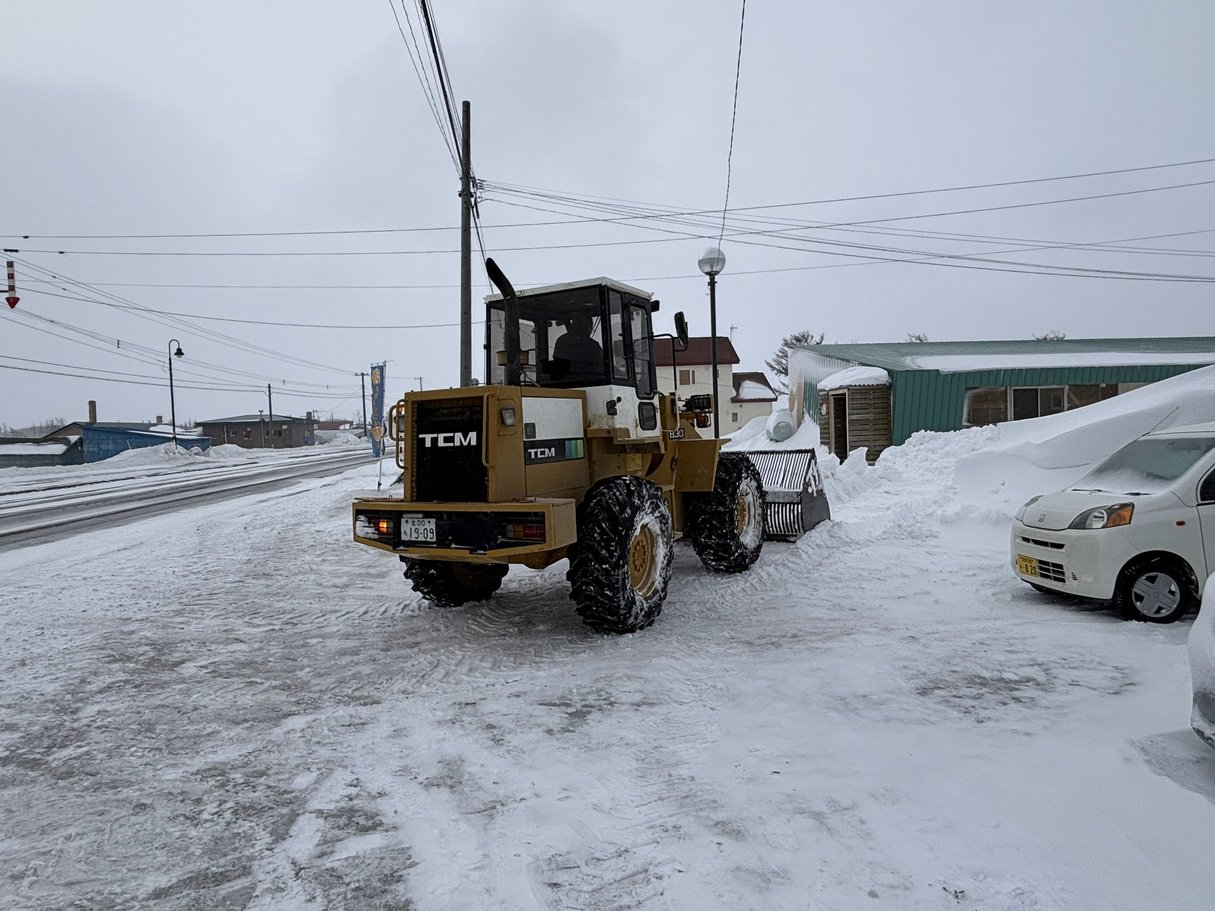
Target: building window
(995, 404)
(986, 405)
(687, 377)
(248, 433)
(733, 417)
(1079, 396)
(1035, 401)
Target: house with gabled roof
(741, 396)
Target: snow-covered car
(1202, 667)
(1138, 530)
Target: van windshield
(1146, 465)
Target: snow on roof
(855, 376)
(28, 448)
(749, 390)
(1014, 353)
(960, 363)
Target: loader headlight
(1105, 516)
(508, 415)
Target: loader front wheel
(727, 525)
(453, 584)
(621, 564)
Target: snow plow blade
(796, 501)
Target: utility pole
(363, 388)
(466, 203)
(270, 405)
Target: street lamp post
(172, 403)
(261, 424)
(711, 263)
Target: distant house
(257, 431)
(690, 372)
(753, 397)
(96, 440)
(943, 386)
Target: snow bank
(754, 435)
(1049, 453)
(153, 455)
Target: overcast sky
(138, 117)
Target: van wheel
(620, 565)
(453, 584)
(1154, 591)
(727, 525)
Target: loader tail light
(525, 528)
(376, 527)
(525, 531)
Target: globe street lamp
(712, 262)
(172, 404)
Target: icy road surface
(236, 707)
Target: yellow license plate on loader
(1027, 566)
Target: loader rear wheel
(621, 564)
(453, 584)
(727, 525)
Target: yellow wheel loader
(568, 451)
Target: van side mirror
(681, 330)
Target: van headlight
(1105, 517)
(1021, 512)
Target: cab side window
(1206, 490)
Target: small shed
(854, 412)
(39, 453)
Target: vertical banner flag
(377, 409)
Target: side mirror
(681, 330)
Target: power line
(177, 324)
(652, 210)
(536, 247)
(137, 380)
(733, 119)
(252, 322)
(415, 59)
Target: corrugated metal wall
(102, 443)
(929, 400)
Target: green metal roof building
(950, 385)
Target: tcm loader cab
(569, 450)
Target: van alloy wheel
(1154, 591)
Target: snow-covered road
(235, 706)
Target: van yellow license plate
(1027, 566)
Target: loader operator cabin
(878, 395)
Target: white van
(1138, 530)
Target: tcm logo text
(544, 452)
(449, 439)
